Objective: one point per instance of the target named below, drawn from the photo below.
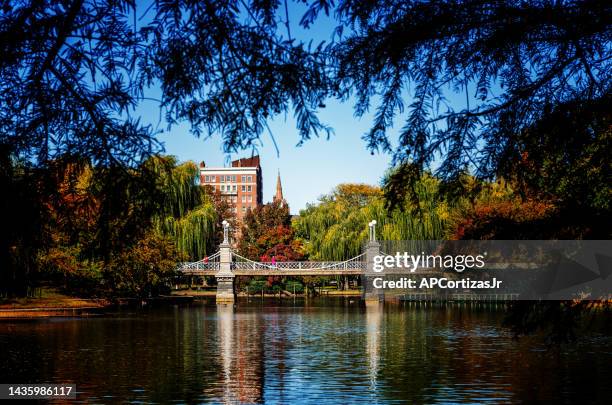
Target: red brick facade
(240, 184)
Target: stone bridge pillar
(225, 277)
(372, 249)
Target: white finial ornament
(225, 231)
(372, 226)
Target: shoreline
(51, 306)
(58, 305)
(38, 308)
(212, 293)
(36, 313)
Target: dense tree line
(481, 90)
(335, 228)
(105, 230)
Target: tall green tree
(21, 235)
(337, 226)
(97, 219)
(186, 212)
(467, 77)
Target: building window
(243, 198)
(250, 179)
(206, 179)
(212, 179)
(234, 187)
(243, 209)
(249, 188)
(234, 179)
(243, 188)
(243, 179)
(250, 198)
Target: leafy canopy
(266, 233)
(335, 228)
(463, 77)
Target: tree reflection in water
(323, 350)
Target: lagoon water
(327, 350)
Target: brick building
(240, 184)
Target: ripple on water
(313, 352)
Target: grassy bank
(49, 300)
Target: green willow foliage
(337, 227)
(186, 213)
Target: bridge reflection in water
(243, 371)
(323, 350)
(373, 332)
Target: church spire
(279, 190)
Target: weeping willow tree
(336, 227)
(101, 230)
(185, 212)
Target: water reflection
(225, 316)
(319, 350)
(373, 321)
(240, 351)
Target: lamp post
(372, 226)
(225, 277)
(225, 231)
(372, 249)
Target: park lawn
(50, 298)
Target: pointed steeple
(279, 190)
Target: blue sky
(308, 171)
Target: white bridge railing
(242, 263)
(211, 262)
